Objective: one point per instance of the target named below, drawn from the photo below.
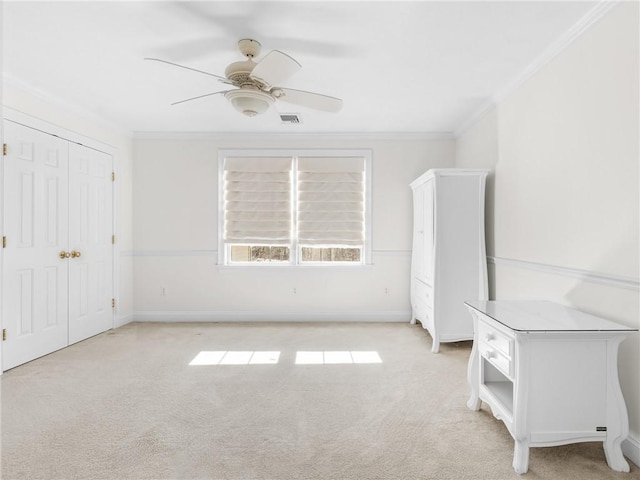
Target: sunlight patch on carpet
(236, 358)
(337, 357)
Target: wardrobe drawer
(424, 293)
(424, 313)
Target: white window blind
(331, 202)
(257, 200)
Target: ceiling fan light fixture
(249, 102)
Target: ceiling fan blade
(275, 68)
(200, 96)
(309, 99)
(222, 79)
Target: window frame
(224, 250)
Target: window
(294, 207)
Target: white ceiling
(399, 66)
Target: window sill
(272, 268)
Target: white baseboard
(259, 316)
(631, 450)
(122, 320)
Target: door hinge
(113, 303)
(4, 242)
(113, 239)
(4, 334)
(4, 149)
(113, 176)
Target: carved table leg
(473, 375)
(521, 457)
(617, 417)
(435, 346)
(613, 454)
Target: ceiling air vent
(290, 118)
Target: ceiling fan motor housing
(250, 101)
(238, 72)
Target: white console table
(550, 373)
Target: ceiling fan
(257, 82)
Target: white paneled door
(90, 230)
(34, 303)
(57, 262)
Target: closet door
(90, 242)
(34, 275)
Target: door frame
(74, 137)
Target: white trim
(391, 253)
(551, 52)
(171, 253)
(262, 136)
(557, 47)
(45, 126)
(2, 225)
(588, 275)
(395, 316)
(631, 450)
(65, 105)
(475, 117)
(275, 267)
(213, 253)
(122, 320)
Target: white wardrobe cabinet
(448, 264)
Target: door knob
(64, 255)
(75, 254)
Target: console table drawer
(495, 339)
(497, 359)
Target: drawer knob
(489, 337)
(488, 354)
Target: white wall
(175, 236)
(69, 118)
(563, 202)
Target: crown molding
(263, 136)
(27, 120)
(69, 107)
(475, 117)
(557, 47)
(552, 51)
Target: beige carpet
(127, 405)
